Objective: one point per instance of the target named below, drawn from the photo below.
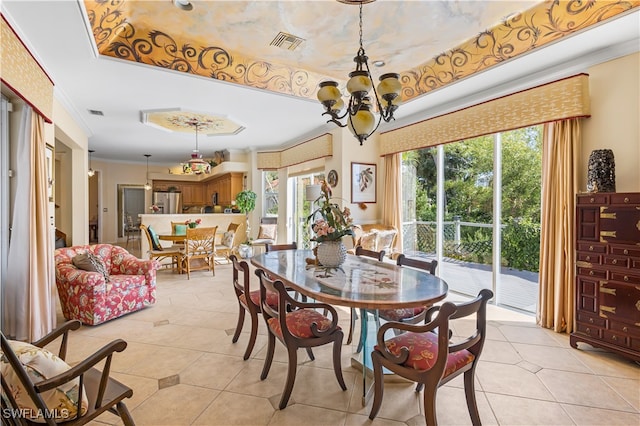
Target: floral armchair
(123, 283)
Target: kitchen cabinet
(192, 194)
(226, 186)
(608, 272)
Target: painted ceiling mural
(121, 33)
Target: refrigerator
(168, 202)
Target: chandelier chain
(361, 46)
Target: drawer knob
(625, 251)
(615, 261)
(614, 338)
(591, 320)
(591, 273)
(626, 278)
(590, 248)
(625, 329)
(591, 200)
(626, 199)
(588, 258)
(588, 330)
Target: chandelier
(359, 116)
(196, 164)
(91, 172)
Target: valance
(319, 147)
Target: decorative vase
(192, 224)
(245, 251)
(332, 253)
(601, 176)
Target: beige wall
(615, 120)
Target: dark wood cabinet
(608, 272)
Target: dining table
(360, 282)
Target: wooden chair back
(277, 247)
(378, 255)
(199, 249)
(426, 265)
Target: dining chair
(199, 250)
(248, 301)
(432, 359)
(379, 256)
(410, 315)
(277, 247)
(156, 251)
(297, 325)
(85, 391)
(230, 240)
(131, 230)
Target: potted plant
(246, 202)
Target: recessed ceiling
(176, 120)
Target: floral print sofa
(92, 298)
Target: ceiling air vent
(286, 41)
(96, 112)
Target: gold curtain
(392, 197)
(561, 144)
(42, 309)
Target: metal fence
(462, 240)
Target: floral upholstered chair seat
(97, 283)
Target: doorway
(131, 200)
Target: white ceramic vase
(332, 253)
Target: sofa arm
(87, 282)
(131, 265)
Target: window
(270, 195)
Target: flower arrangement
(154, 208)
(333, 223)
(192, 223)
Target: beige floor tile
(163, 362)
(214, 371)
(319, 387)
(400, 402)
(629, 389)
(606, 363)
(582, 415)
(582, 389)
(237, 409)
(249, 383)
(511, 380)
(299, 414)
(502, 352)
(175, 405)
(451, 407)
(510, 410)
(551, 357)
(361, 419)
(529, 334)
(142, 387)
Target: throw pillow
(88, 261)
(385, 239)
(227, 238)
(40, 365)
(155, 241)
(181, 229)
(368, 240)
(267, 232)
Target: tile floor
(184, 370)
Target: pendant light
(147, 186)
(91, 172)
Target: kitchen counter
(161, 223)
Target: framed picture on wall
(49, 166)
(363, 183)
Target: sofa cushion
(127, 282)
(181, 229)
(40, 365)
(385, 239)
(227, 238)
(88, 261)
(369, 240)
(267, 232)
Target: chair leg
(240, 323)
(291, 377)
(310, 353)
(430, 404)
(378, 388)
(271, 345)
(352, 325)
(470, 394)
(124, 414)
(252, 337)
(337, 360)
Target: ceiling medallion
(359, 117)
